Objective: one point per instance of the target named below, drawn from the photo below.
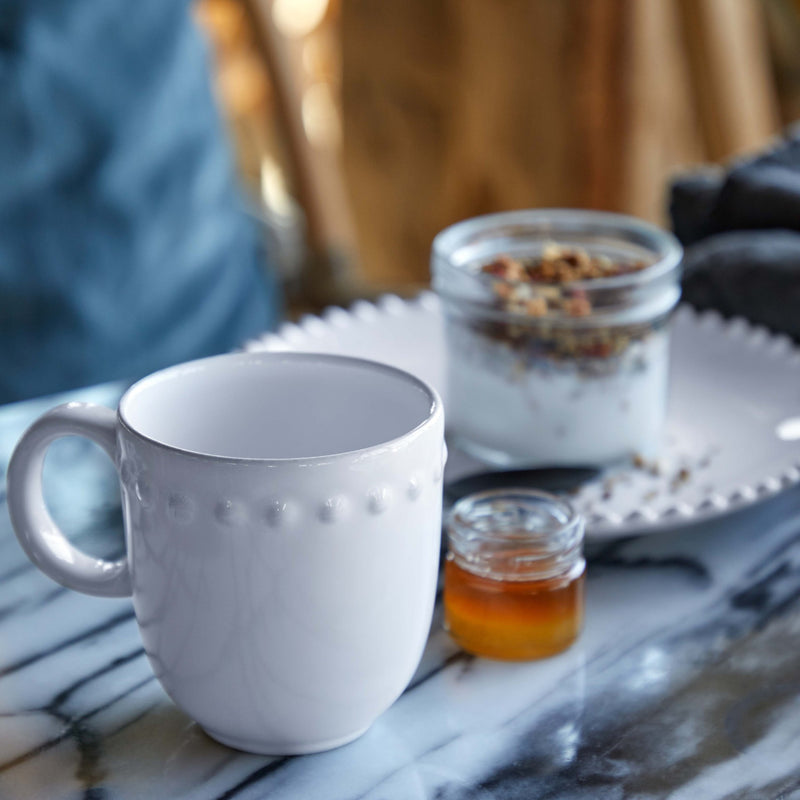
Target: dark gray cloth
(741, 230)
(752, 274)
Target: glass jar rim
(462, 511)
(549, 222)
(552, 549)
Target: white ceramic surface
(733, 417)
(282, 516)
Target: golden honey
(512, 620)
(514, 575)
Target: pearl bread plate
(733, 426)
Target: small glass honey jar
(514, 574)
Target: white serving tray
(733, 430)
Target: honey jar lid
(516, 534)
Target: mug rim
(435, 408)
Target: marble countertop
(684, 684)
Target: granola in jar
(557, 331)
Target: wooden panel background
(453, 108)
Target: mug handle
(41, 539)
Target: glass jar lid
(516, 534)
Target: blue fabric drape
(124, 245)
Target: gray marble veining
(684, 684)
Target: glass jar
(557, 373)
(514, 574)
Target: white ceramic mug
(282, 519)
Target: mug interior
(276, 406)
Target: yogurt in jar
(511, 413)
(557, 328)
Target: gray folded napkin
(741, 231)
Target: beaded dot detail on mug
(333, 509)
(378, 500)
(278, 512)
(231, 514)
(182, 508)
